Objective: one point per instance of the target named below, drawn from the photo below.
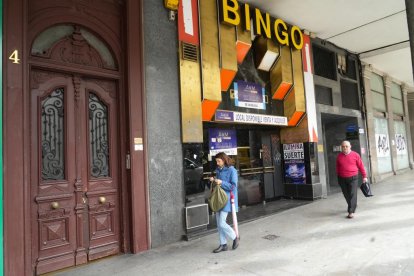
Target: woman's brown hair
(226, 159)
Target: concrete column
(409, 121)
(370, 128)
(409, 6)
(390, 119)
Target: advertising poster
(222, 140)
(249, 94)
(294, 163)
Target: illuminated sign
(231, 13)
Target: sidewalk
(313, 239)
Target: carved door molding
(74, 169)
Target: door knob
(54, 205)
(102, 199)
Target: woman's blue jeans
(223, 228)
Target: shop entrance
(337, 128)
(258, 161)
(74, 169)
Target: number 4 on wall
(15, 57)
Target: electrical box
(171, 4)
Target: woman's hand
(218, 181)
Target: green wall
(1, 139)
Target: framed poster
(222, 140)
(249, 94)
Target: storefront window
(378, 92)
(401, 145)
(397, 99)
(382, 142)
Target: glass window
(401, 145)
(377, 83)
(382, 143)
(98, 137)
(378, 94)
(52, 136)
(397, 99)
(50, 36)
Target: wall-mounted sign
(383, 145)
(249, 118)
(250, 95)
(261, 23)
(294, 163)
(222, 140)
(401, 146)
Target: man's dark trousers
(349, 186)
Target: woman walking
(226, 177)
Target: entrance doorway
(74, 169)
(337, 128)
(258, 161)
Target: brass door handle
(102, 199)
(54, 205)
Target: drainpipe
(364, 114)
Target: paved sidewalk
(314, 239)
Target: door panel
(75, 214)
(102, 192)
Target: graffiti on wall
(400, 144)
(383, 145)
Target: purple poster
(295, 172)
(249, 94)
(294, 163)
(222, 140)
(223, 115)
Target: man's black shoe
(235, 243)
(222, 247)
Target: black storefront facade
(251, 88)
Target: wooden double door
(74, 126)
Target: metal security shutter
(324, 63)
(349, 94)
(323, 95)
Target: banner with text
(249, 94)
(294, 163)
(222, 140)
(249, 118)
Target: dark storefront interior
(260, 175)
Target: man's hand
(364, 180)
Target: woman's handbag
(366, 189)
(218, 198)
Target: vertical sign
(188, 21)
(309, 89)
(294, 160)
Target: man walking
(348, 163)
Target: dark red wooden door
(74, 169)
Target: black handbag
(366, 189)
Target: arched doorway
(74, 144)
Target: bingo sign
(222, 140)
(249, 94)
(294, 160)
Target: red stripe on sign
(188, 21)
(307, 54)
